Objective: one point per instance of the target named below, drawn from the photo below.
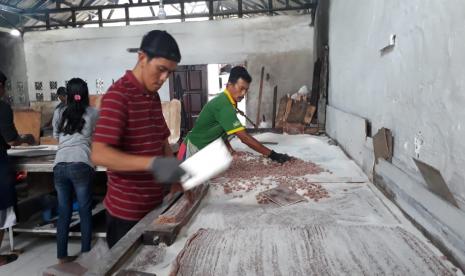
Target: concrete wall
(13, 65)
(283, 44)
(416, 89)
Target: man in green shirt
(218, 119)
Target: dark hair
(239, 72)
(77, 103)
(158, 43)
(2, 78)
(61, 91)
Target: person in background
(73, 126)
(8, 137)
(61, 93)
(218, 119)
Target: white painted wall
(417, 90)
(13, 65)
(93, 53)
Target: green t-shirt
(218, 118)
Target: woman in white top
(73, 126)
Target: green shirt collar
(230, 98)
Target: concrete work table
(35, 158)
(41, 158)
(356, 230)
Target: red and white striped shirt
(132, 121)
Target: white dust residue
(363, 231)
(317, 250)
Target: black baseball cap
(61, 91)
(158, 43)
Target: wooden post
(321, 113)
(275, 99)
(260, 92)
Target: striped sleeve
(113, 118)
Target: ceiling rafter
(56, 13)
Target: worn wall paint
(416, 89)
(13, 65)
(101, 52)
(289, 71)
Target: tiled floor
(39, 253)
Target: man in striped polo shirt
(218, 119)
(131, 136)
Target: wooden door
(189, 84)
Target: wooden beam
(73, 18)
(149, 18)
(47, 21)
(110, 14)
(239, 8)
(152, 11)
(260, 93)
(210, 9)
(183, 13)
(126, 15)
(100, 18)
(275, 99)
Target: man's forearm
(253, 143)
(116, 160)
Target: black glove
(279, 157)
(166, 170)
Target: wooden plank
(95, 101)
(297, 112)
(316, 83)
(167, 232)
(309, 114)
(172, 114)
(293, 128)
(311, 130)
(287, 110)
(323, 91)
(381, 145)
(281, 111)
(28, 122)
(275, 99)
(260, 92)
(48, 140)
(126, 246)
